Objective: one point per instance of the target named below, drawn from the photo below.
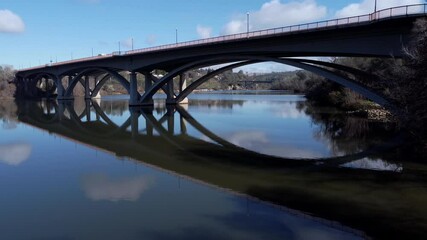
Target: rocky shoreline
(377, 114)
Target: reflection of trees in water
(216, 103)
(8, 114)
(115, 108)
(344, 133)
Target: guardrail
(407, 10)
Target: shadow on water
(384, 204)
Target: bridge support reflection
(87, 121)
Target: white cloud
(151, 39)
(277, 14)
(14, 154)
(127, 43)
(367, 6)
(234, 26)
(100, 187)
(10, 22)
(204, 32)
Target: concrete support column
(70, 78)
(47, 106)
(171, 119)
(183, 125)
(46, 82)
(182, 86)
(182, 82)
(26, 87)
(87, 89)
(87, 110)
(148, 126)
(148, 83)
(46, 87)
(170, 98)
(59, 88)
(134, 95)
(61, 110)
(65, 89)
(31, 88)
(134, 124)
(98, 94)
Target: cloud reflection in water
(98, 187)
(15, 154)
(260, 142)
(288, 111)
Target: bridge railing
(407, 10)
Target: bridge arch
(88, 72)
(305, 64)
(148, 94)
(35, 79)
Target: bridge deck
(385, 14)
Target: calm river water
(225, 166)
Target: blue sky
(34, 32)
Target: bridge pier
(171, 119)
(170, 98)
(63, 96)
(96, 94)
(183, 125)
(87, 110)
(134, 95)
(182, 86)
(87, 89)
(134, 125)
(148, 126)
(59, 88)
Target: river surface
(225, 166)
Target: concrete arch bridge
(380, 34)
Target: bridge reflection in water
(86, 122)
(312, 185)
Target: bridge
(380, 34)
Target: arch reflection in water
(87, 122)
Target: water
(227, 166)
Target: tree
(7, 76)
(408, 85)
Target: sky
(35, 32)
